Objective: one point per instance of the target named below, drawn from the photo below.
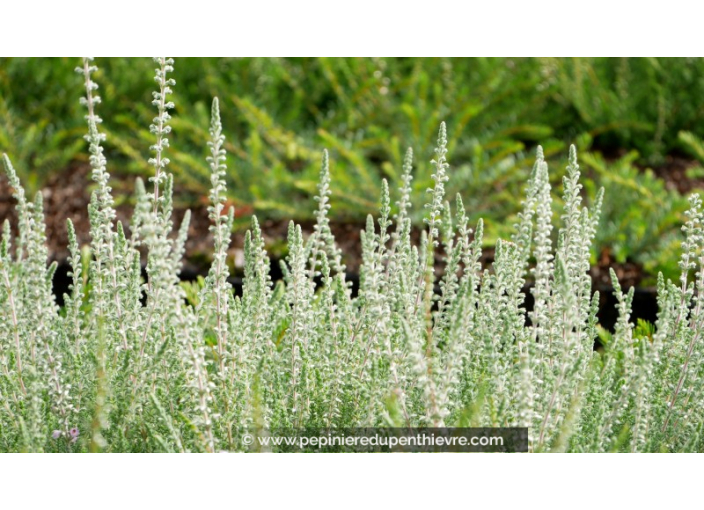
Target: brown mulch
(67, 195)
(674, 172)
(629, 274)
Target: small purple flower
(56, 434)
(74, 432)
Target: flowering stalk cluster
(431, 339)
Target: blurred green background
(637, 124)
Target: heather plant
(430, 339)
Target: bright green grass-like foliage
(113, 373)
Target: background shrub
(281, 112)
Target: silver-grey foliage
(421, 344)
